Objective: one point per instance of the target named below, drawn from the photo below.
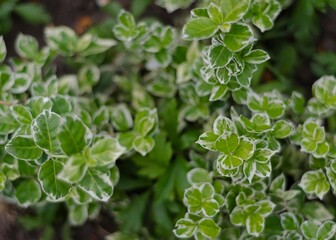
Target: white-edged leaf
(73, 135)
(23, 147)
(106, 151)
(45, 131)
(97, 184)
(28, 192)
(56, 189)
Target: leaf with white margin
(207, 140)
(185, 228)
(22, 114)
(239, 36)
(23, 147)
(219, 56)
(74, 169)
(143, 145)
(21, 84)
(223, 124)
(282, 129)
(78, 214)
(326, 231)
(215, 13)
(289, 221)
(249, 169)
(106, 151)
(233, 10)
(309, 229)
(199, 176)
(257, 56)
(45, 132)
(26, 46)
(8, 124)
(208, 228)
(73, 135)
(97, 184)
(245, 148)
(255, 224)
(56, 189)
(3, 50)
(199, 28)
(315, 182)
(121, 117)
(28, 192)
(278, 183)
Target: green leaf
(199, 176)
(229, 162)
(324, 90)
(257, 56)
(255, 224)
(282, 129)
(264, 12)
(185, 228)
(227, 143)
(8, 124)
(22, 114)
(239, 36)
(234, 11)
(106, 151)
(74, 169)
(309, 229)
(45, 131)
(3, 50)
(200, 200)
(22, 82)
(326, 231)
(137, 209)
(3, 180)
(278, 183)
(223, 124)
(245, 148)
(249, 169)
(315, 182)
(126, 30)
(289, 221)
(207, 140)
(263, 22)
(275, 109)
(126, 139)
(121, 117)
(143, 145)
(73, 135)
(157, 161)
(238, 217)
(24, 148)
(145, 121)
(215, 14)
(62, 39)
(78, 214)
(97, 183)
(28, 192)
(55, 188)
(88, 76)
(32, 13)
(26, 46)
(199, 28)
(219, 56)
(208, 228)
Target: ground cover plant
(174, 131)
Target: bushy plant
(170, 125)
